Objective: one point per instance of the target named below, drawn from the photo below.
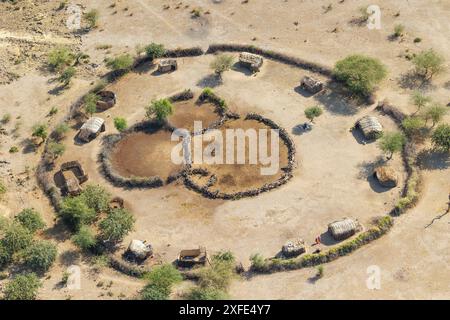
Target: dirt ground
(331, 179)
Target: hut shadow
(157, 73)
(58, 179)
(327, 240)
(300, 90)
(360, 138)
(375, 185)
(56, 91)
(298, 130)
(145, 67)
(433, 160)
(241, 69)
(366, 168)
(210, 81)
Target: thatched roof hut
(192, 257)
(71, 185)
(386, 176)
(77, 170)
(293, 248)
(107, 99)
(311, 85)
(91, 129)
(167, 65)
(370, 126)
(343, 229)
(139, 250)
(251, 61)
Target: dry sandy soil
(329, 182)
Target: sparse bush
(391, 142)
(61, 130)
(84, 238)
(90, 103)
(420, 100)
(159, 109)
(428, 63)
(55, 150)
(417, 40)
(155, 50)
(40, 256)
(117, 224)
(398, 30)
(313, 112)
(360, 74)
(76, 212)
(92, 18)
(6, 118)
(30, 219)
(441, 137)
(320, 272)
(67, 75)
(60, 58)
(120, 124)
(53, 111)
(22, 287)
(435, 113)
(222, 63)
(200, 293)
(40, 131)
(219, 274)
(414, 126)
(16, 237)
(13, 149)
(120, 63)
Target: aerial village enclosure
(331, 176)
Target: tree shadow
(299, 129)
(69, 257)
(359, 137)
(210, 81)
(300, 90)
(431, 159)
(58, 231)
(28, 146)
(411, 80)
(145, 67)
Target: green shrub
(66, 76)
(398, 30)
(428, 63)
(117, 224)
(90, 103)
(313, 112)
(61, 130)
(76, 212)
(161, 280)
(159, 109)
(16, 237)
(320, 272)
(199, 293)
(420, 100)
(5, 256)
(6, 118)
(441, 137)
(435, 113)
(414, 126)
(120, 124)
(155, 50)
(122, 62)
(391, 142)
(22, 287)
(92, 18)
(222, 63)
(84, 238)
(60, 58)
(40, 131)
(30, 219)
(55, 150)
(13, 149)
(360, 74)
(96, 197)
(40, 256)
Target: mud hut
(71, 185)
(107, 100)
(91, 129)
(370, 127)
(293, 248)
(251, 61)
(192, 257)
(167, 65)
(311, 85)
(139, 250)
(343, 229)
(386, 176)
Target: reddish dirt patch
(186, 113)
(142, 154)
(232, 178)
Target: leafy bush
(313, 112)
(120, 124)
(218, 275)
(30, 219)
(398, 30)
(76, 212)
(67, 75)
(92, 18)
(90, 103)
(428, 63)
(435, 113)
(84, 238)
(40, 256)
(420, 100)
(40, 131)
(13, 149)
(22, 287)
(441, 137)
(155, 50)
(117, 224)
(159, 109)
(161, 279)
(5, 256)
(122, 62)
(222, 63)
(199, 293)
(391, 142)
(96, 197)
(320, 272)
(360, 74)
(413, 126)
(16, 237)
(60, 58)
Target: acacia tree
(30, 219)
(222, 63)
(428, 63)
(441, 137)
(159, 109)
(435, 113)
(22, 287)
(391, 142)
(118, 223)
(313, 112)
(419, 100)
(40, 131)
(155, 50)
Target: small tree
(40, 256)
(360, 74)
(76, 213)
(428, 63)
(155, 50)
(67, 75)
(391, 142)
(222, 63)
(30, 219)
(313, 112)
(61, 130)
(59, 58)
(441, 137)
(120, 124)
(159, 109)
(16, 237)
(84, 238)
(90, 103)
(120, 63)
(55, 150)
(420, 100)
(117, 224)
(413, 126)
(161, 280)
(5, 256)
(22, 287)
(96, 197)
(40, 131)
(435, 113)
(92, 18)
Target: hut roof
(93, 125)
(386, 176)
(251, 58)
(71, 182)
(140, 249)
(343, 228)
(370, 126)
(167, 62)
